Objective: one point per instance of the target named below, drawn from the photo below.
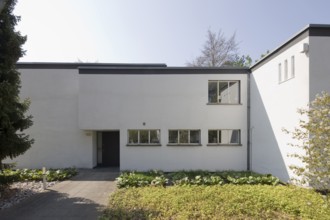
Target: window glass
(223, 92)
(225, 136)
(234, 136)
(213, 92)
(133, 136)
(183, 136)
(155, 136)
(194, 137)
(233, 91)
(285, 70)
(213, 136)
(144, 136)
(173, 136)
(292, 67)
(279, 72)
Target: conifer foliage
(13, 121)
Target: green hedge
(182, 178)
(8, 176)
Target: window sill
(184, 145)
(223, 103)
(224, 145)
(143, 145)
(285, 80)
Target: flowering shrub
(313, 136)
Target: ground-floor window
(144, 137)
(224, 137)
(184, 137)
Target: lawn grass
(217, 202)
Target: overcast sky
(157, 31)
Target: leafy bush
(140, 179)
(312, 137)
(213, 202)
(8, 176)
(186, 178)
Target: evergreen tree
(13, 142)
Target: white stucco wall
(54, 107)
(273, 107)
(164, 101)
(319, 52)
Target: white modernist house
(150, 116)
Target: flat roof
(65, 65)
(161, 70)
(131, 68)
(309, 30)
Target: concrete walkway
(83, 197)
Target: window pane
(233, 91)
(173, 136)
(223, 136)
(144, 136)
(194, 137)
(154, 136)
(223, 92)
(292, 67)
(213, 137)
(279, 72)
(133, 137)
(285, 70)
(234, 136)
(183, 136)
(213, 92)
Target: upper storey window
(224, 92)
(288, 73)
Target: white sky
(157, 31)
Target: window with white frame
(224, 137)
(279, 72)
(185, 137)
(144, 137)
(224, 92)
(292, 67)
(286, 70)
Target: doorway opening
(108, 153)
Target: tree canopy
(313, 135)
(220, 51)
(13, 121)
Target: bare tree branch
(217, 51)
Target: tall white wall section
(54, 107)
(274, 107)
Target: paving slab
(83, 197)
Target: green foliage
(217, 202)
(240, 61)
(8, 176)
(13, 142)
(140, 179)
(199, 177)
(313, 135)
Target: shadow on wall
(266, 156)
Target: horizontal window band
(224, 145)
(184, 145)
(143, 145)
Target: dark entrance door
(110, 148)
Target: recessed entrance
(108, 149)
